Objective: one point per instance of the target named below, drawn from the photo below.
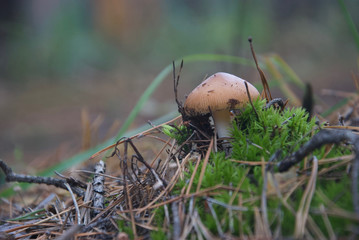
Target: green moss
(179, 133)
(258, 135)
(158, 235)
(124, 226)
(338, 193)
(261, 135)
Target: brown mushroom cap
(219, 92)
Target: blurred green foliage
(59, 47)
(64, 38)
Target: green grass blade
(293, 77)
(30, 216)
(350, 22)
(338, 105)
(283, 85)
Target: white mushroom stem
(222, 121)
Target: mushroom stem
(222, 121)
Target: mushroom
(219, 94)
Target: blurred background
(65, 64)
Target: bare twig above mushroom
(175, 86)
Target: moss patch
(257, 135)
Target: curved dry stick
(323, 137)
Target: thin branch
(323, 137)
(175, 86)
(60, 183)
(277, 101)
(160, 181)
(75, 203)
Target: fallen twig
(323, 137)
(76, 186)
(175, 87)
(98, 188)
(78, 216)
